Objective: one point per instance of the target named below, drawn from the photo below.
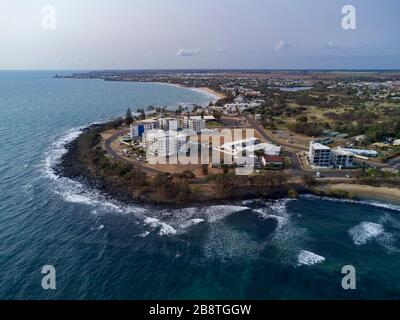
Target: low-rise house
(273, 162)
(360, 152)
(207, 118)
(268, 148)
(234, 145)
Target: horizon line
(212, 69)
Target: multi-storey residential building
(320, 155)
(194, 124)
(141, 128)
(166, 124)
(341, 159)
(151, 138)
(165, 143)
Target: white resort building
(166, 124)
(320, 155)
(194, 124)
(342, 159)
(166, 143)
(141, 128)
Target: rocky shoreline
(86, 162)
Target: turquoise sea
(282, 249)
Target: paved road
(296, 170)
(296, 167)
(110, 151)
(151, 171)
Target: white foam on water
(309, 258)
(191, 223)
(165, 229)
(251, 201)
(217, 213)
(276, 210)
(376, 204)
(28, 188)
(144, 234)
(100, 227)
(288, 238)
(388, 241)
(225, 243)
(365, 231)
(390, 220)
(212, 96)
(58, 149)
(75, 192)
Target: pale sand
(368, 192)
(215, 93)
(206, 90)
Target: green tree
(128, 117)
(142, 114)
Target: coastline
(77, 165)
(88, 163)
(205, 90)
(365, 192)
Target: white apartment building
(169, 124)
(151, 138)
(165, 143)
(341, 159)
(194, 124)
(141, 128)
(320, 155)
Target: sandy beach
(213, 94)
(210, 91)
(367, 192)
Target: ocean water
(258, 249)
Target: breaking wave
(368, 231)
(308, 258)
(376, 204)
(365, 231)
(168, 222)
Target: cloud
(222, 51)
(331, 45)
(188, 52)
(282, 46)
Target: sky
(198, 34)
